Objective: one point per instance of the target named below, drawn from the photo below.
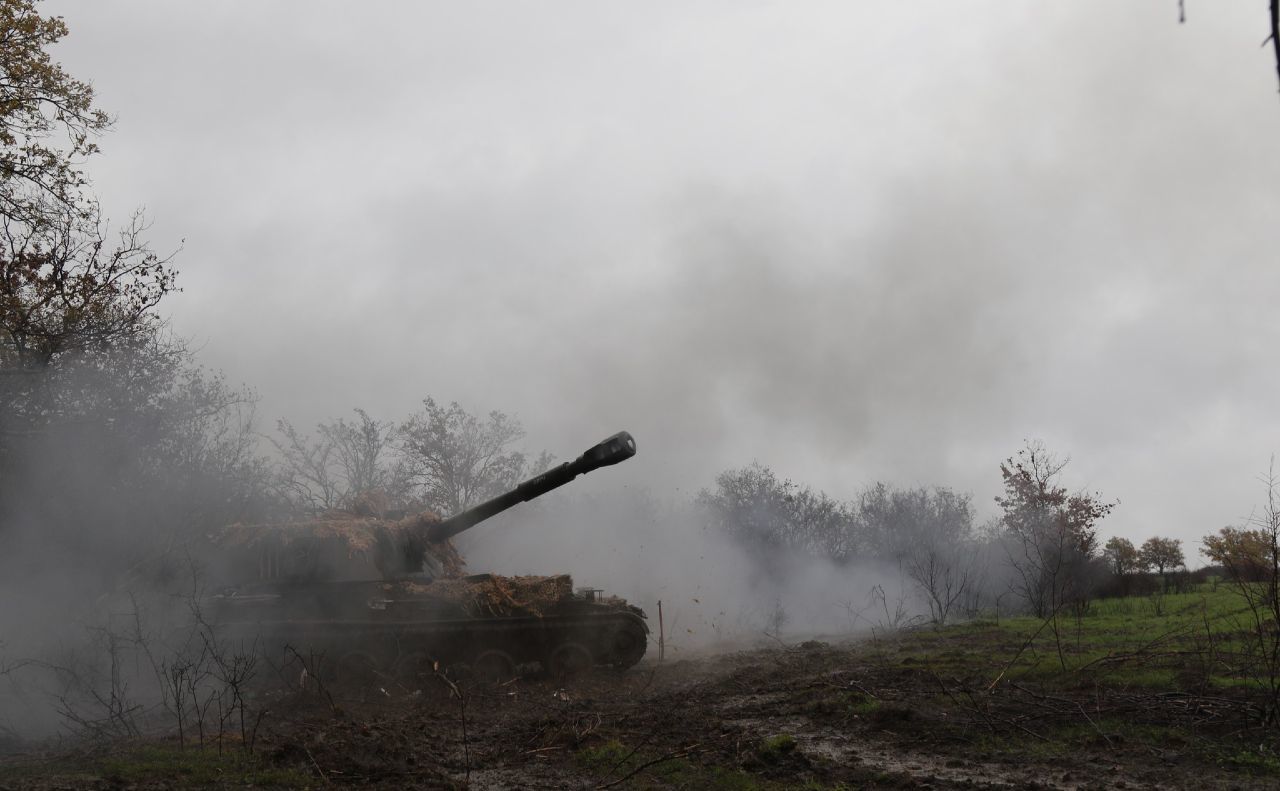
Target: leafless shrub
(234, 669)
(96, 707)
(776, 620)
(456, 459)
(882, 613)
(309, 673)
(456, 691)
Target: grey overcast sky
(853, 241)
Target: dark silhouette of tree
(67, 299)
(1161, 554)
(1274, 38)
(766, 514)
(929, 533)
(1245, 553)
(48, 122)
(72, 293)
(1121, 556)
(113, 443)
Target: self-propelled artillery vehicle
(424, 614)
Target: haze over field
(882, 242)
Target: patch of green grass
(683, 774)
(1235, 682)
(197, 768)
(1067, 739)
(1081, 734)
(1139, 641)
(605, 756)
(865, 707)
(773, 749)
(614, 760)
(1251, 762)
(67, 770)
(1149, 678)
(160, 765)
(840, 703)
(1019, 746)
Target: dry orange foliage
(491, 594)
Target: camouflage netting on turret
(358, 534)
(395, 547)
(490, 594)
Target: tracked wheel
(492, 667)
(357, 668)
(569, 659)
(628, 646)
(413, 668)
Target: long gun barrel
(619, 447)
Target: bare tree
(945, 575)
(443, 458)
(308, 477)
(456, 459)
(362, 449)
(351, 465)
(930, 534)
(765, 514)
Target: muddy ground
(813, 715)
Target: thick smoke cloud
(852, 243)
(715, 594)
